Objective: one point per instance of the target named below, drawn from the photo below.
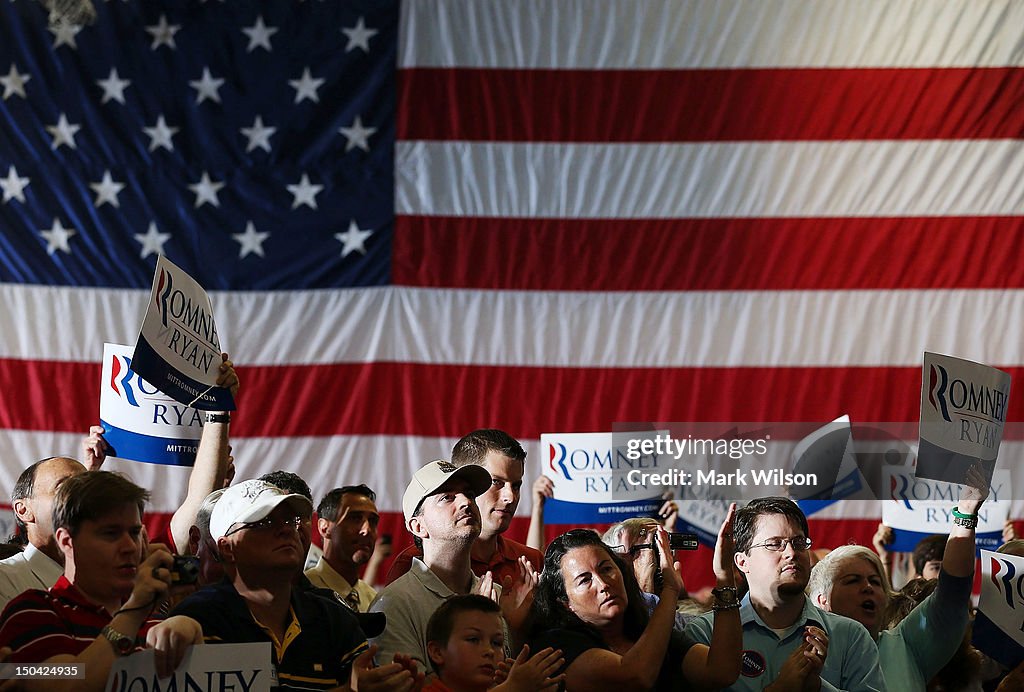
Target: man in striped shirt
(99, 609)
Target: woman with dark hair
(589, 605)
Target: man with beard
(441, 513)
(789, 644)
(347, 520)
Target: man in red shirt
(505, 459)
(99, 609)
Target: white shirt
(30, 569)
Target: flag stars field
(258, 135)
(14, 82)
(259, 35)
(64, 34)
(107, 190)
(304, 192)
(13, 186)
(354, 239)
(207, 87)
(306, 87)
(359, 36)
(160, 135)
(206, 191)
(358, 136)
(63, 133)
(163, 33)
(251, 241)
(152, 241)
(58, 237)
(113, 87)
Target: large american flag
(422, 218)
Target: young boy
(465, 640)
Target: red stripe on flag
(545, 105)
(372, 399)
(708, 254)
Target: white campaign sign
(917, 507)
(963, 411)
(179, 348)
(240, 667)
(998, 629)
(592, 481)
(140, 422)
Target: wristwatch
(122, 643)
(726, 597)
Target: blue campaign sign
(141, 423)
(178, 350)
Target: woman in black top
(588, 604)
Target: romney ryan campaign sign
(963, 411)
(591, 479)
(140, 422)
(179, 349)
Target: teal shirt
(918, 647)
(851, 663)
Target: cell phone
(683, 541)
(385, 539)
(185, 569)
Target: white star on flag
(13, 186)
(358, 136)
(152, 241)
(259, 136)
(14, 82)
(163, 33)
(259, 35)
(206, 191)
(106, 191)
(160, 135)
(64, 34)
(354, 239)
(251, 241)
(63, 132)
(57, 237)
(306, 87)
(206, 88)
(304, 192)
(359, 36)
(113, 87)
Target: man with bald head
(41, 563)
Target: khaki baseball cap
(428, 479)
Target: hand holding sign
(974, 491)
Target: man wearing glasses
(261, 532)
(788, 643)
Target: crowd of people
(466, 608)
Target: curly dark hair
(551, 603)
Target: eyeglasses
(777, 545)
(271, 523)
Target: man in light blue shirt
(789, 644)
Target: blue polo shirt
(319, 646)
(851, 663)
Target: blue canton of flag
(250, 142)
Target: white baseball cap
(428, 479)
(251, 501)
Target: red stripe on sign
(732, 254)
(512, 105)
(371, 398)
